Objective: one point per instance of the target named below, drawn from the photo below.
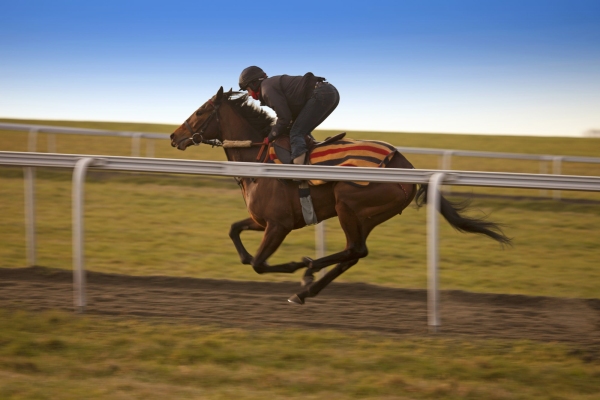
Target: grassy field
(177, 225)
(180, 228)
(171, 225)
(62, 356)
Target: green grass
(56, 355)
(147, 224)
(180, 228)
(177, 225)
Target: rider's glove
(272, 136)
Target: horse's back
(399, 161)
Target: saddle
(336, 151)
(282, 147)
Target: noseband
(212, 142)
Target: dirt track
(341, 306)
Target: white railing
(445, 155)
(435, 178)
(445, 159)
(52, 131)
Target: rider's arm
(273, 96)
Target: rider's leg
(324, 100)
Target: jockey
(302, 102)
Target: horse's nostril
(172, 135)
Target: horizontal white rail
(79, 131)
(53, 130)
(490, 154)
(256, 170)
(80, 164)
(445, 155)
(409, 150)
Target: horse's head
(202, 126)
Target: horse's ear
(220, 93)
(230, 91)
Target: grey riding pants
(323, 101)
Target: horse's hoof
(295, 299)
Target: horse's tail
(452, 213)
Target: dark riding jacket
(287, 95)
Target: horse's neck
(243, 154)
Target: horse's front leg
(272, 239)
(234, 233)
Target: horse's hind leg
(234, 233)
(356, 246)
(315, 288)
(359, 211)
(357, 231)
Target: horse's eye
(199, 112)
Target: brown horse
(274, 204)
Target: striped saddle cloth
(348, 153)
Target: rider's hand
(272, 136)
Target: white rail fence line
(435, 178)
(52, 131)
(445, 159)
(445, 155)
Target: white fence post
(51, 138)
(557, 170)
(78, 232)
(543, 171)
(136, 140)
(150, 148)
(433, 206)
(32, 140)
(447, 160)
(29, 173)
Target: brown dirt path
(343, 306)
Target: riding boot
(300, 159)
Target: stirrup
(299, 161)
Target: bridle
(212, 142)
(216, 142)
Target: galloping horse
(274, 204)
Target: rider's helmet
(250, 75)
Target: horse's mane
(258, 118)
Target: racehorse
(274, 205)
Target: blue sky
(528, 67)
